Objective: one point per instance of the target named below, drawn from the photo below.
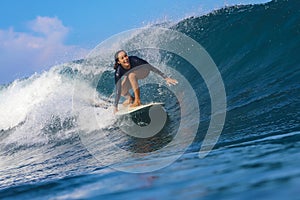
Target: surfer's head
(121, 58)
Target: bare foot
(128, 101)
(136, 103)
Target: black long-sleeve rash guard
(120, 71)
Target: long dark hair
(117, 59)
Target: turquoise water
(255, 47)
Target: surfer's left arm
(170, 81)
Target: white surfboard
(124, 110)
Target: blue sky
(37, 34)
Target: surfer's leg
(133, 77)
(126, 86)
(135, 87)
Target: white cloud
(22, 53)
(47, 25)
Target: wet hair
(117, 59)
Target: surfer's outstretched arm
(169, 80)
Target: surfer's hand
(171, 81)
(115, 110)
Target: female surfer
(132, 68)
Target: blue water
(43, 154)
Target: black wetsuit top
(120, 71)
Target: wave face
(256, 49)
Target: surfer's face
(123, 59)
